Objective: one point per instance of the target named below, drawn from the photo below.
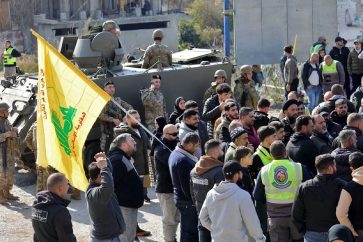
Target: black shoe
(147, 199)
(142, 233)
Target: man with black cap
(340, 53)
(111, 116)
(238, 221)
(9, 153)
(154, 102)
(239, 137)
(291, 71)
(289, 108)
(355, 65)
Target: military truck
(99, 56)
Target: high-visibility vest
(330, 69)
(281, 179)
(7, 60)
(264, 155)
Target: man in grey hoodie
(228, 211)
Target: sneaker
(147, 199)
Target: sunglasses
(174, 134)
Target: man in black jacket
(164, 185)
(356, 97)
(128, 186)
(300, 147)
(340, 114)
(313, 211)
(289, 108)
(354, 122)
(321, 137)
(340, 53)
(348, 144)
(206, 173)
(214, 106)
(312, 80)
(107, 222)
(50, 217)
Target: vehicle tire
(348, 19)
(89, 152)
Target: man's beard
(291, 120)
(192, 127)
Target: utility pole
(227, 49)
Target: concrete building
(54, 19)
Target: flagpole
(141, 125)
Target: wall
(264, 27)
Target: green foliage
(206, 14)
(187, 34)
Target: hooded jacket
(323, 142)
(206, 173)
(107, 221)
(51, 219)
(211, 112)
(161, 157)
(228, 212)
(349, 210)
(177, 111)
(224, 124)
(341, 120)
(302, 149)
(201, 131)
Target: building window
(65, 31)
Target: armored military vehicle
(99, 56)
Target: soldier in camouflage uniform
(111, 116)
(244, 91)
(156, 52)
(9, 154)
(154, 102)
(220, 77)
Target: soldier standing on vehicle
(9, 60)
(154, 102)
(9, 153)
(157, 52)
(111, 116)
(220, 77)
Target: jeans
(204, 234)
(311, 236)
(170, 216)
(313, 94)
(130, 217)
(117, 239)
(189, 223)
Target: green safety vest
(264, 155)
(7, 60)
(281, 179)
(330, 69)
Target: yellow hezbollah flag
(68, 105)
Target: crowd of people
(233, 172)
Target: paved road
(15, 222)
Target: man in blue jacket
(107, 222)
(127, 183)
(181, 162)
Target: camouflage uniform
(211, 91)
(42, 173)
(9, 154)
(152, 54)
(110, 112)
(245, 93)
(154, 104)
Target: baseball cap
(230, 168)
(338, 38)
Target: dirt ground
(15, 217)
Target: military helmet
(221, 73)
(108, 25)
(245, 69)
(158, 33)
(4, 107)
